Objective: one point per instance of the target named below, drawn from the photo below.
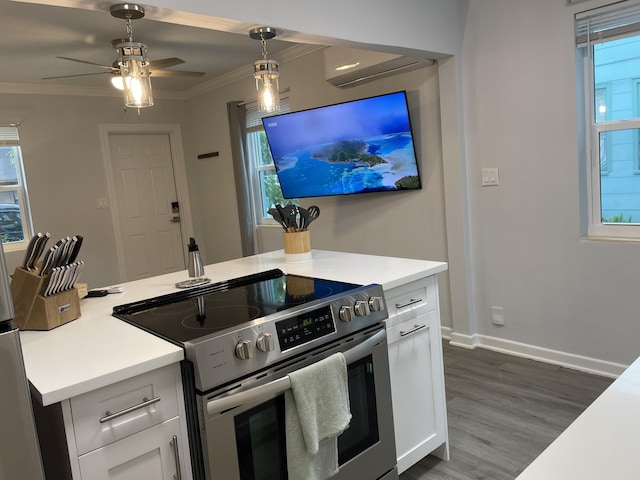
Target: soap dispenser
(196, 269)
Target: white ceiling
(32, 35)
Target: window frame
(9, 137)
(260, 218)
(584, 44)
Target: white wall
(401, 224)
(65, 172)
(511, 103)
(558, 291)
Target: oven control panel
(305, 327)
(274, 338)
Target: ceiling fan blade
(165, 62)
(175, 73)
(76, 75)
(109, 67)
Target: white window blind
(618, 20)
(9, 136)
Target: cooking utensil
(314, 212)
(51, 281)
(62, 278)
(40, 246)
(304, 218)
(58, 254)
(77, 268)
(47, 262)
(76, 248)
(277, 217)
(64, 256)
(30, 252)
(290, 214)
(283, 215)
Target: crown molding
(245, 72)
(238, 74)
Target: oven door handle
(283, 384)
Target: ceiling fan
(157, 68)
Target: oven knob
(346, 313)
(264, 343)
(375, 304)
(244, 350)
(361, 308)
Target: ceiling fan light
(135, 75)
(266, 75)
(137, 85)
(116, 81)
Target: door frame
(179, 173)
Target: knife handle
(76, 248)
(47, 263)
(31, 251)
(40, 246)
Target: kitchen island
(601, 442)
(78, 365)
(97, 349)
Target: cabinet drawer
(411, 300)
(122, 409)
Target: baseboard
(540, 354)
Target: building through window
(609, 39)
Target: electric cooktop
(187, 315)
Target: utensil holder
(297, 246)
(35, 312)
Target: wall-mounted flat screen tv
(352, 147)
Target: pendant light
(132, 60)
(266, 72)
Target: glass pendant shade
(134, 71)
(266, 75)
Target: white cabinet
(417, 372)
(149, 454)
(132, 430)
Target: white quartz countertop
(97, 349)
(602, 443)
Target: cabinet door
(417, 388)
(148, 454)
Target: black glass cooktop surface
(184, 316)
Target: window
(15, 219)
(609, 39)
(266, 190)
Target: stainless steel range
(243, 337)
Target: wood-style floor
(503, 411)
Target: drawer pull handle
(145, 403)
(413, 330)
(176, 456)
(410, 302)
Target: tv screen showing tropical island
(354, 147)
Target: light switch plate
(490, 177)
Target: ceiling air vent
(347, 67)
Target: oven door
(244, 436)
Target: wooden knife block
(35, 312)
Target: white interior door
(145, 189)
